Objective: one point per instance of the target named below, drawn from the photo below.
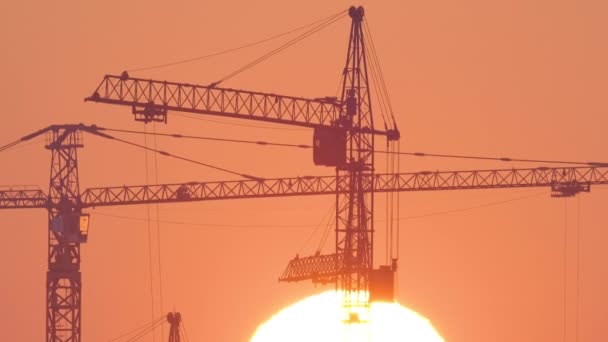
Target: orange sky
(524, 78)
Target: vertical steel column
(174, 320)
(354, 210)
(63, 279)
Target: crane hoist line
(343, 138)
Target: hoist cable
(149, 235)
(398, 194)
(377, 87)
(160, 270)
(378, 94)
(315, 230)
(377, 62)
(578, 264)
(565, 262)
(327, 230)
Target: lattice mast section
(63, 280)
(355, 208)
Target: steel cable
(222, 52)
(292, 42)
(164, 153)
(138, 329)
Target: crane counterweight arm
(566, 181)
(22, 199)
(151, 99)
(320, 268)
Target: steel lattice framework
(63, 278)
(355, 208)
(353, 185)
(320, 268)
(152, 99)
(65, 203)
(22, 199)
(563, 181)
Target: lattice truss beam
(63, 287)
(563, 181)
(142, 93)
(355, 208)
(151, 100)
(320, 268)
(24, 198)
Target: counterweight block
(329, 147)
(382, 285)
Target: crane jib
(563, 181)
(151, 100)
(567, 181)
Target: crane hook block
(329, 146)
(150, 112)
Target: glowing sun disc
(318, 319)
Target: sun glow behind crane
(319, 318)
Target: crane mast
(63, 278)
(355, 208)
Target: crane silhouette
(344, 138)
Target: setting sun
(318, 318)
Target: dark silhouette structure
(174, 319)
(344, 136)
(68, 224)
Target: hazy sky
(516, 78)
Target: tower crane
(68, 221)
(344, 136)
